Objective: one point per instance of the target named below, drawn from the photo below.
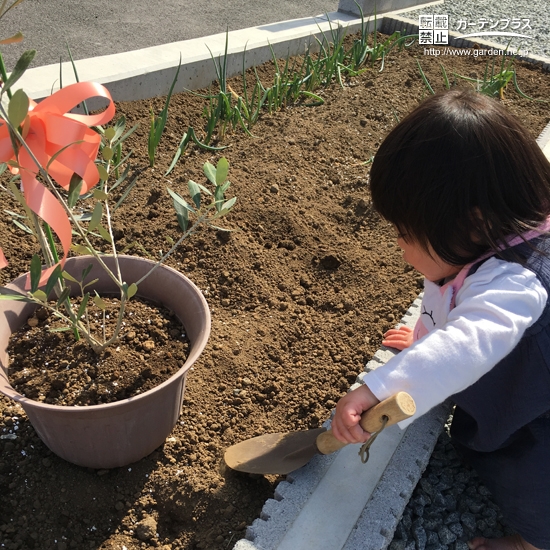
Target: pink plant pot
(113, 434)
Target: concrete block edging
(149, 72)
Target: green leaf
(18, 108)
(75, 187)
(86, 271)
(103, 174)
(195, 192)
(100, 195)
(158, 123)
(36, 271)
(132, 289)
(182, 210)
(83, 305)
(126, 192)
(181, 148)
(8, 294)
(63, 296)
(228, 205)
(105, 234)
(182, 215)
(52, 280)
(99, 302)
(209, 172)
(68, 276)
(92, 282)
(204, 189)
(60, 329)
(180, 200)
(40, 295)
(118, 127)
(20, 67)
(107, 153)
(110, 133)
(22, 226)
(424, 78)
(219, 197)
(124, 175)
(80, 249)
(128, 133)
(14, 214)
(17, 297)
(97, 214)
(222, 169)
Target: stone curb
(149, 72)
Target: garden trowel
(282, 453)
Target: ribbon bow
(48, 128)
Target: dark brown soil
(53, 368)
(300, 292)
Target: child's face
(429, 264)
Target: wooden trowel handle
(396, 408)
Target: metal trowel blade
(279, 453)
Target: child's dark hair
(461, 174)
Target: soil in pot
(53, 368)
(300, 294)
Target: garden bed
(301, 292)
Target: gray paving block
(245, 544)
(375, 528)
(277, 516)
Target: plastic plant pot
(119, 433)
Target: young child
(468, 192)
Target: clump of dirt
(300, 291)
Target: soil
(152, 349)
(301, 291)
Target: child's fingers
(396, 342)
(345, 424)
(351, 434)
(400, 330)
(400, 338)
(339, 428)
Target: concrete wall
(149, 72)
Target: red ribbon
(48, 128)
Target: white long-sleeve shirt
(493, 309)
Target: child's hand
(398, 338)
(345, 424)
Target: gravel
(448, 507)
(491, 11)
